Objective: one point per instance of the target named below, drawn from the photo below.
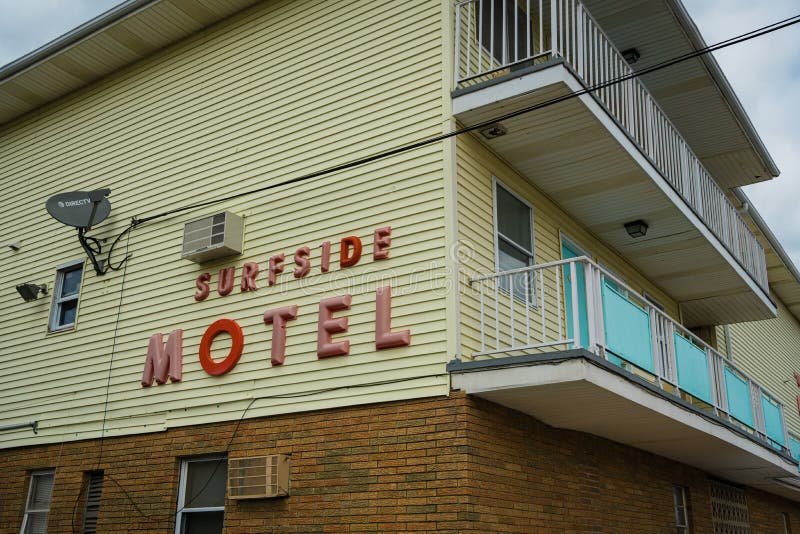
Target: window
(65, 296)
(729, 513)
(681, 510)
(785, 522)
(94, 490)
(38, 504)
(514, 242)
(201, 495)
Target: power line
(362, 161)
(764, 30)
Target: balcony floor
(576, 390)
(582, 159)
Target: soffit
(129, 32)
(694, 94)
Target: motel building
(446, 266)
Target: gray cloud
(765, 73)
(27, 25)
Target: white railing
(495, 36)
(576, 303)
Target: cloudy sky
(764, 72)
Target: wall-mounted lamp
(637, 228)
(31, 291)
(631, 55)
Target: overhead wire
(764, 30)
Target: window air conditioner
(259, 477)
(215, 236)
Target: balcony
(607, 156)
(572, 345)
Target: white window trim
(683, 504)
(57, 301)
(497, 235)
(28, 509)
(181, 510)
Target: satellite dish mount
(83, 210)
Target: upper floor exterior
(328, 127)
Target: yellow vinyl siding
(769, 351)
(476, 167)
(281, 90)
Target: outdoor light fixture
(631, 55)
(493, 131)
(637, 228)
(31, 291)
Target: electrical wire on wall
(123, 264)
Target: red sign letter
(202, 287)
(249, 273)
(163, 362)
(225, 282)
(328, 326)
(217, 327)
(303, 264)
(380, 243)
(345, 257)
(278, 318)
(384, 337)
(325, 259)
(275, 268)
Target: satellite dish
(81, 209)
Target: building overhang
(695, 94)
(582, 158)
(119, 37)
(576, 390)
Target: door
(568, 250)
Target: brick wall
(438, 465)
(529, 477)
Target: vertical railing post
(483, 319)
(710, 357)
(672, 358)
(655, 346)
(722, 391)
(755, 406)
(457, 66)
(554, 28)
(591, 308)
(783, 427)
(576, 316)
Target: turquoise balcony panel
(794, 449)
(772, 420)
(582, 305)
(738, 398)
(692, 363)
(627, 329)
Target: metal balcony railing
(494, 36)
(576, 303)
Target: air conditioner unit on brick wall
(259, 477)
(215, 236)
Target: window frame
(182, 509)
(33, 475)
(677, 490)
(497, 236)
(91, 508)
(58, 300)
